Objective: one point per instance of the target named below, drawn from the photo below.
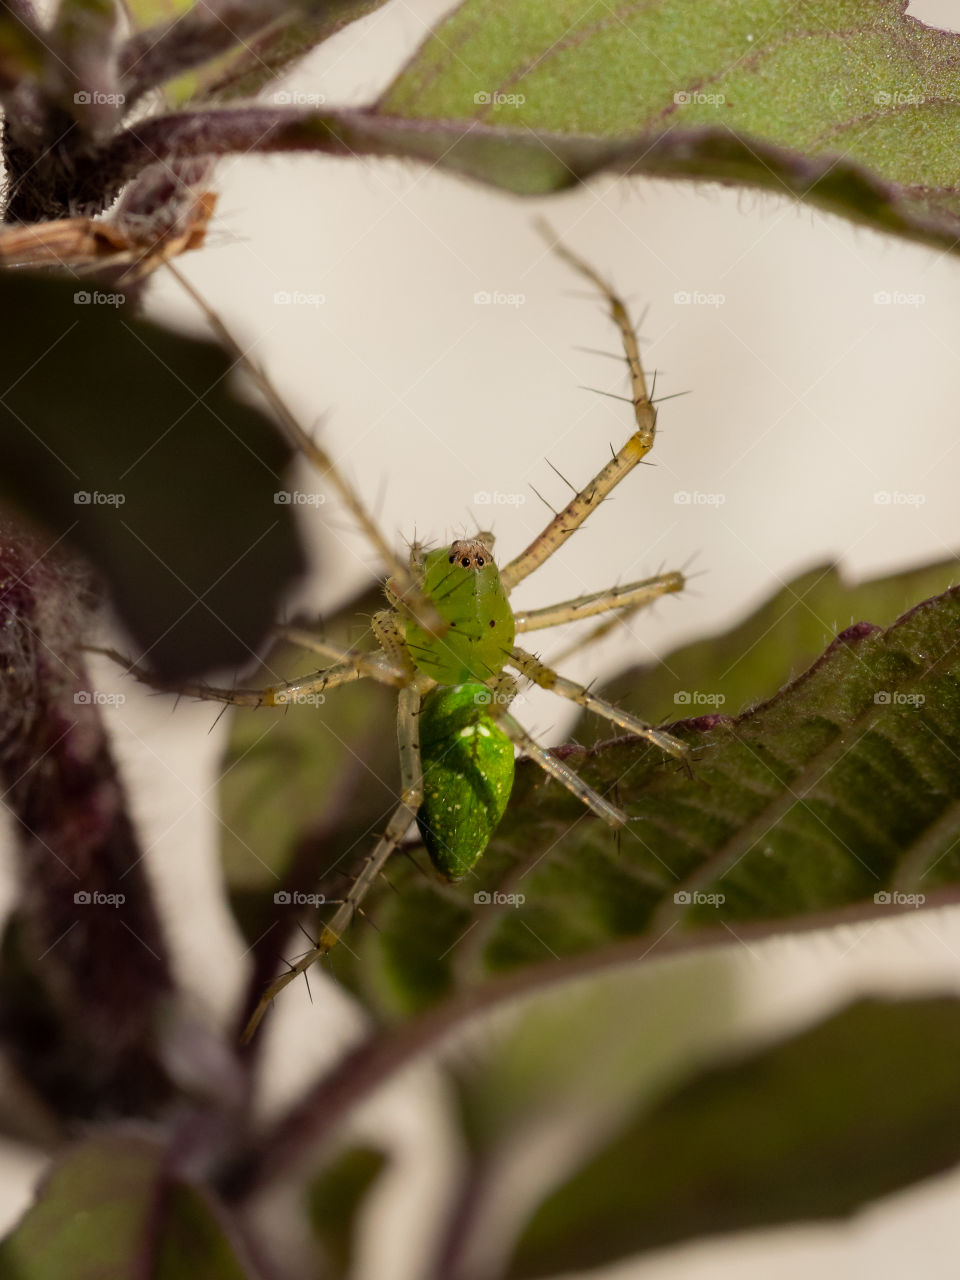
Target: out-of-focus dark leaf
(127, 440)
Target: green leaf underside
(812, 1127)
(853, 105)
(843, 786)
(110, 1208)
(179, 475)
(779, 640)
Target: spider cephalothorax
(463, 584)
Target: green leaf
(852, 105)
(336, 1198)
(111, 1207)
(812, 1127)
(843, 789)
(756, 657)
(126, 439)
(552, 1078)
(192, 1241)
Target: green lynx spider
(448, 614)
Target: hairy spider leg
(557, 770)
(351, 668)
(531, 667)
(568, 521)
(411, 781)
(631, 597)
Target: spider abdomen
(468, 767)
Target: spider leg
(609, 623)
(389, 633)
(307, 639)
(376, 665)
(547, 678)
(595, 802)
(411, 777)
(633, 596)
(304, 689)
(569, 520)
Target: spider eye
(479, 562)
(452, 558)
(465, 562)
